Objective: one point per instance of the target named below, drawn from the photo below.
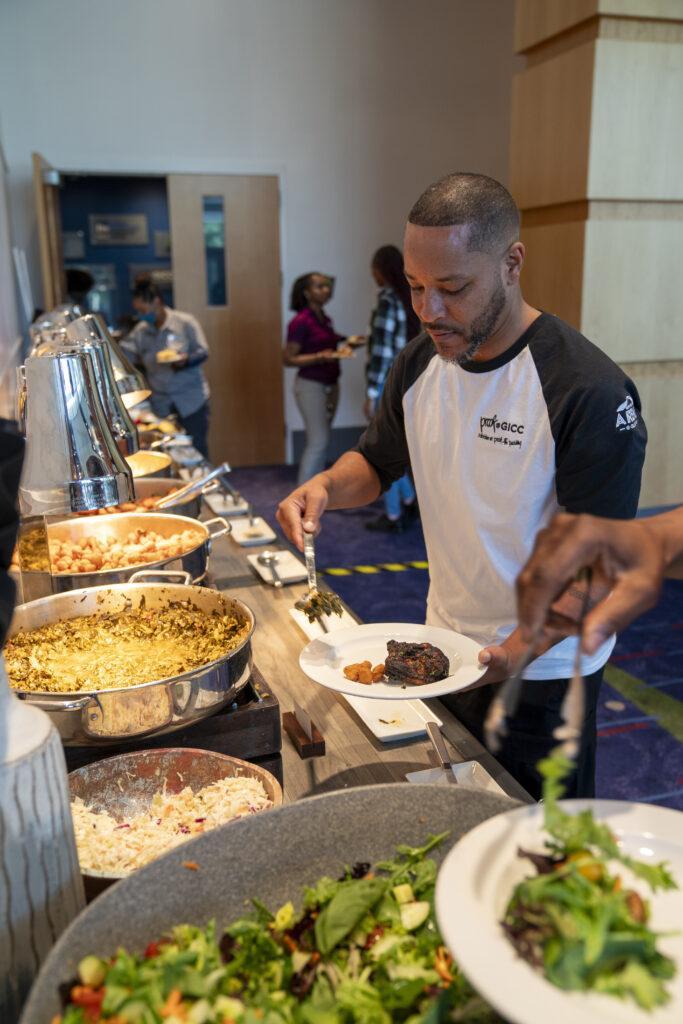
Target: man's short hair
(473, 199)
(145, 290)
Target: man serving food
(506, 415)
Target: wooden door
(241, 318)
(46, 193)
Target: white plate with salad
(569, 915)
(325, 658)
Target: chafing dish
(159, 487)
(131, 384)
(101, 717)
(194, 561)
(72, 461)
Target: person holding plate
(314, 348)
(170, 347)
(506, 415)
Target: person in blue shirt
(170, 347)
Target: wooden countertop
(354, 757)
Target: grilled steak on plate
(415, 663)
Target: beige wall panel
(553, 271)
(551, 116)
(661, 392)
(642, 8)
(539, 20)
(632, 299)
(536, 20)
(636, 141)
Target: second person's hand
(627, 560)
(302, 509)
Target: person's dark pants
(530, 730)
(197, 426)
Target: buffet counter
(354, 757)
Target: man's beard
(481, 328)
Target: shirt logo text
(495, 430)
(627, 416)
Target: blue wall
(81, 196)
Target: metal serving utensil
(316, 603)
(193, 488)
(573, 705)
(505, 702)
(309, 555)
(269, 559)
(439, 745)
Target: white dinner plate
(323, 660)
(475, 883)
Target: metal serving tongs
(574, 703)
(316, 603)
(194, 487)
(505, 702)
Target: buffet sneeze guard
(73, 463)
(87, 331)
(82, 332)
(131, 384)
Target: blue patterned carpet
(640, 718)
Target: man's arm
(350, 483)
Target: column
(597, 170)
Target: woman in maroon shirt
(312, 346)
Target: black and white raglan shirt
(496, 449)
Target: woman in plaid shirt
(392, 324)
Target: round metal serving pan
(95, 718)
(194, 561)
(124, 786)
(146, 463)
(270, 856)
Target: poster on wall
(118, 229)
(73, 245)
(162, 277)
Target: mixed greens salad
(363, 948)
(575, 920)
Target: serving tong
(316, 603)
(193, 488)
(572, 712)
